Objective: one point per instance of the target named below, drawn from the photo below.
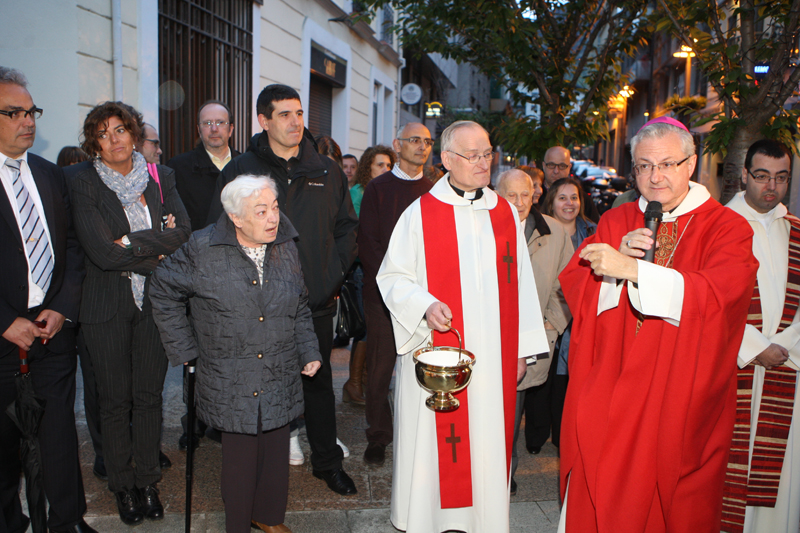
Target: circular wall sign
(411, 93)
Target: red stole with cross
(444, 282)
(760, 487)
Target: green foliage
(728, 46)
(564, 56)
(685, 105)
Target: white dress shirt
(35, 293)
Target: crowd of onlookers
(127, 215)
(231, 263)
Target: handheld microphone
(652, 219)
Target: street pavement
(312, 507)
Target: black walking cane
(190, 441)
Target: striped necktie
(39, 256)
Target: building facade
(165, 57)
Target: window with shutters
(205, 53)
(320, 106)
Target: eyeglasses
(19, 114)
(559, 166)
(475, 159)
(156, 142)
(217, 123)
(667, 167)
(416, 140)
(764, 178)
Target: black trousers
(53, 377)
(91, 398)
(130, 367)
(255, 478)
(320, 403)
(538, 415)
(381, 358)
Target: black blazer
(64, 292)
(100, 220)
(196, 179)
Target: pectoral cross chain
(452, 439)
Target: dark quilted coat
(250, 341)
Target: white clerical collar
(766, 219)
(397, 171)
(697, 196)
(442, 191)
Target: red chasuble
(443, 277)
(649, 411)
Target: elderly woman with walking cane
(251, 332)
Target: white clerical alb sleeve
(399, 282)
(659, 292)
(753, 343)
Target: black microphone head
(653, 211)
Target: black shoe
(214, 434)
(183, 442)
(513, 486)
(533, 449)
(338, 481)
(130, 510)
(375, 454)
(151, 505)
(340, 342)
(80, 527)
(99, 469)
(164, 461)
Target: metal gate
(205, 52)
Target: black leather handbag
(349, 323)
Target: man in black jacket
(42, 274)
(196, 174)
(197, 170)
(313, 194)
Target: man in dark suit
(41, 281)
(196, 173)
(197, 170)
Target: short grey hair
(12, 75)
(242, 187)
(501, 179)
(659, 130)
(448, 135)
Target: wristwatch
(126, 241)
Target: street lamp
(688, 53)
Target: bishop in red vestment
(651, 402)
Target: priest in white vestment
(488, 260)
(766, 177)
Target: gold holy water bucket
(442, 371)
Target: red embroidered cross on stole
(444, 282)
(760, 487)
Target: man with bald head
(556, 165)
(196, 173)
(550, 249)
(457, 258)
(385, 199)
(197, 170)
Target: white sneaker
(296, 456)
(344, 448)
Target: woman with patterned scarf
(126, 222)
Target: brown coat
(550, 249)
